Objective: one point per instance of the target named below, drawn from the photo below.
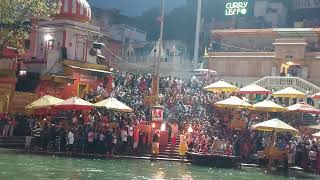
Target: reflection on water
(30, 167)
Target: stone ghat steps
(92, 156)
(12, 141)
(169, 151)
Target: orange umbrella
(303, 108)
(74, 103)
(254, 89)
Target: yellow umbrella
(316, 135)
(114, 105)
(289, 92)
(268, 106)
(44, 102)
(221, 86)
(233, 102)
(274, 125)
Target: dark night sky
(134, 7)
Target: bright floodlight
(163, 127)
(48, 37)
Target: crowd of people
(189, 112)
(7, 124)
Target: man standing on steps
(28, 134)
(12, 123)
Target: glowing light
(48, 37)
(290, 63)
(69, 84)
(22, 73)
(163, 127)
(190, 130)
(153, 125)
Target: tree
(15, 18)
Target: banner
(306, 4)
(157, 114)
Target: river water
(32, 167)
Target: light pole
(197, 35)
(157, 77)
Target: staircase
(170, 152)
(278, 82)
(12, 142)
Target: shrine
(63, 58)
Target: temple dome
(77, 10)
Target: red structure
(78, 10)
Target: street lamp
(197, 35)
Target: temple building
(250, 54)
(65, 52)
(63, 57)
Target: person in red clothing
(318, 162)
(228, 150)
(104, 120)
(136, 130)
(86, 118)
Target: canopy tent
(316, 135)
(233, 102)
(205, 71)
(114, 105)
(303, 108)
(221, 86)
(254, 89)
(274, 125)
(74, 103)
(46, 101)
(316, 127)
(316, 96)
(289, 92)
(268, 106)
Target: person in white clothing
(130, 135)
(124, 139)
(70, 141)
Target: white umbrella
(205, 71)
(114, 105)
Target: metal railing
(283, 82)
